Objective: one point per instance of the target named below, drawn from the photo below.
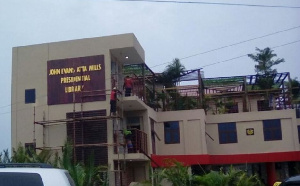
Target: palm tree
(264, 58)
(20, 155)
(171, 74)
(169, 78)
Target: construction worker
(113, 101)
(128, 85)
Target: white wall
(192, 132)
(253, 144)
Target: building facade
(62, 91)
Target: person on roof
(128, 86)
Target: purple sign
(76, 80)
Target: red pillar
(271, 173)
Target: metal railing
(138, 140)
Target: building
(62, 90)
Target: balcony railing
(136, 142)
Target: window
(172, 133)
(227, 133)
(272, 129)
(134, 123)
(232, 108)
(20, 178)
(30, 147)
(263, 105)
(30, 96)
(299, 132)
(297, 112)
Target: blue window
(297, 112)
(227, 133)
(272, 129)
(299, 132)
(30, 96)
(172, 132)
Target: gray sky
(165, 31)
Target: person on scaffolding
(128, 85)
(113, 101)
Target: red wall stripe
(206, 159)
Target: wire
(230, 45)
(202, 67)
(247, 54)
(212, 3)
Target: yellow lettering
(75, 79)
(54, 72)
(70, 89)
(81, 69)
(95, 67)
(67, 70)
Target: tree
(295, 88)
(169, 78)
(171, 74)
(265, 60)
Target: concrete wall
(192, 132)
(30, 71)
(253, 144)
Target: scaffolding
(226, 89)
(76, 119)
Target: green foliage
(264, 68)
(83, 174)
(43, 156)
(171, 74)
(20, 155)
(265, 82)
(222, 105)
(295, 88)
(4, 157)
(264, 58)
(178, 102)
(177, 174)
(233, 177)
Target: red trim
(228, 159)
(271, 173)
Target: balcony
(132, 146)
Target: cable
(247, 54)
(212, 3)
(230, 45)
(202, 67)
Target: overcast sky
(165, 31)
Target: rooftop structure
(63, 90)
